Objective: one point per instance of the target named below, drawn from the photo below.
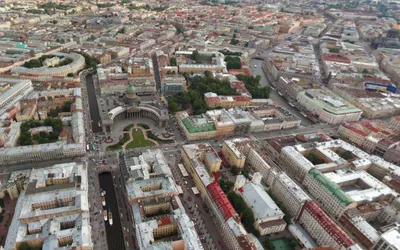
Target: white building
(53, 211)
(268, 216)
(327, 106)
(389, 240)
(291, 196)
(157, 209)
(59, 149)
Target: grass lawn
(281, 244)
(127, 128)
(139, 140)
(145, 126)
(156, 138)
(118, 146)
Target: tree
(226, 185)
(195, 55)
(208, 74)
(173, 106)
(67, 106)
(70, 75)
(233, 62)
(346, 155)
(172, 61)
(234, 170)
(253, 86)
(248, 220)
(268, 245)
(121, 30)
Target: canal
(115, 238)
(94, 108)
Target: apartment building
(197, 127)
(331, 196)
(290, 87)
(373, 136)
(173, 84)
(201, 161)
(395, 122)
(200, 68)
(291, 195)
(322, 228)
(228, 221)
(78, 63)
(157, 210)
(54, 199)
(59, 149)
(231, 149)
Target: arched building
(134, 108)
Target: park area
(135, 136)
(138, 140)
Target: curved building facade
(77, 64)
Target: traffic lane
(205, 217)
(275, 96)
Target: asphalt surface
(195, 207)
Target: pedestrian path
(144, 131)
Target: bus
(87, 147)
(183, 170)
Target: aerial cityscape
(199, 125)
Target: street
(195, 208)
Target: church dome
(131, 89)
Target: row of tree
(25, 137)
(233, 62)
(241, 207)
(37, 63)
(66, 107)
(252, 84)
(194, 97)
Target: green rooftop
(197, 128)
(331, 187)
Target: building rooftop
(329, 101)
(219, 197)
(365, 187)
(322, 218)
(302, 235)
(35, 208)
(259, 201)
(331, 186)
(293, 188)
(197, 124)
